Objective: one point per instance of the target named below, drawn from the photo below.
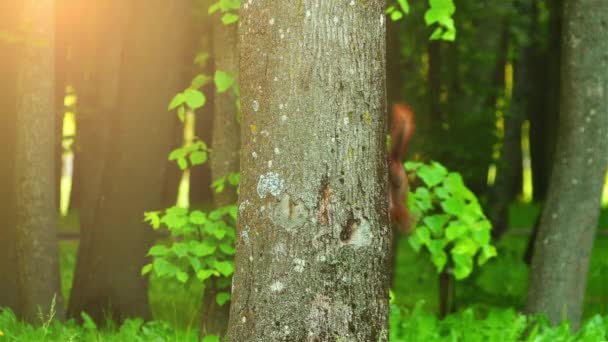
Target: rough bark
(37, 252)
(108, 276)
(8, 63)
(569, 219)
(312, 261)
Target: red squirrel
(402, 128)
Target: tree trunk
(8, 65)
(543, 110)
(36, 241)
(570, 215)
(509, 170)
(97, 85)
(225, 156)
(312, 261)
(226, 139)
(108, 280)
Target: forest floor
(487, 303)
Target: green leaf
(456, 230)
(234, 178)
(465, 247)
(180, 249)
(158, 251)
(146, 269)
(430, 176)
(163, 267)
(415, 243)
(204, 248)
(182, 277)
(223, 81)
(152, 217)
(229, 18)
(487, 252)
(213, 8)
(203, 275)
(182, 163)
(481, 236)
(226, 268)
(199, 81)
(436, 223)
(195, 263)
(222, 297)
(405, 7)
(423, 234)
(177, 100)
(227, 248)
(87, 321)
(453, 205)
(211, 338)
(463, 266)
(227, 5)
(181, 113)
(201, 59)
(198, 157)
(439, 259)
(423, 199)
(194, 98)
(396, 15)
(178, 153)
(197, 217)
(219, 184)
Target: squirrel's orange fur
(402, 128)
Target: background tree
(108, 276)
(569, 218)
(8, 125)
(226, 144)
(313, 238)
(37, 253)
(97, 85)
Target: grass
(487, 302)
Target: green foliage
(223, 81)
(190, 155)
(453, 227)
(12, 329)
(497, 325)
(233, 179)
(229, 10)
(191, 98)
(202, 245)
(398, 9)
(440, 12)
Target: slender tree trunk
(312, 261)
(200, 177)
(109, 281)
(8, 65)
(543, 109)
(225, 156)
(479, 61)
(226, 129)
(569, 218)
(509, 170)
(97, 85)
(37, 252)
